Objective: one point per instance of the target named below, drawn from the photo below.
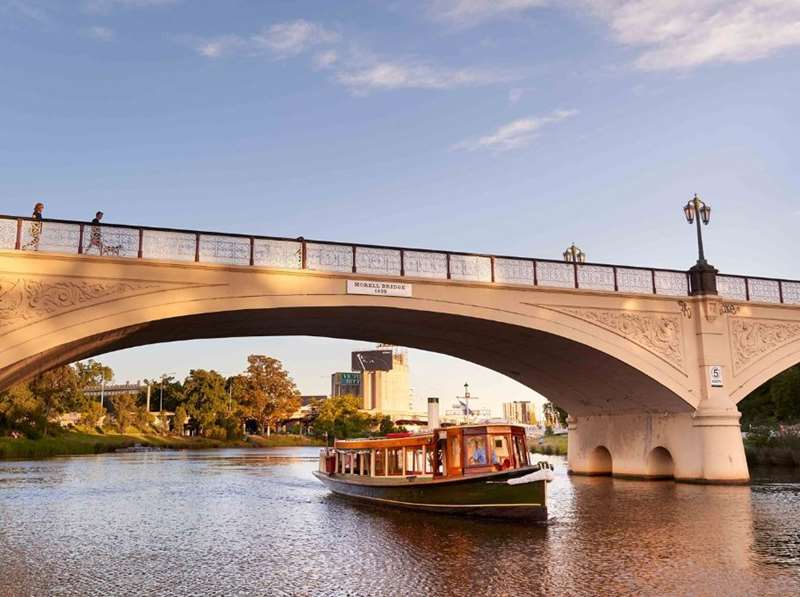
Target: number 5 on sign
(715, 375)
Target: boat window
(439, 463)
(520, 451)
(455, 451)
(414, 460)
(380, 467)
(395, 461)
(476, 450)
(364, 463)
(501, 454)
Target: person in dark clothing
(36, 229)
(96, 234)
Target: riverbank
(76, 443)
(773, 447)
(552, 445)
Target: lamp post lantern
(574, 255)
(703, 276)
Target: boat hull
(485, 495)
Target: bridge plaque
(378, 288)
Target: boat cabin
(447, 452)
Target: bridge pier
(701, 447)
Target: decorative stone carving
(752, 339)
(660, 334)
(686, 310)
(26, 300)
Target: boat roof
(398, 440)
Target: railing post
(448, 265)
(747, 289)
(197, 246)
(653, 276)
(402, 262)
(354, 259)
(492, 261)
(18, 244)
(780, 290)
(140, 253)
(80, 240)
(535, 274)
(303, 254)
(616, 283)
(575, 270)
(252, 251)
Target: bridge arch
(619, 354)
(600, 461)
(660, 464)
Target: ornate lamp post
(703, 276)
(574, 255)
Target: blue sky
(505, 126)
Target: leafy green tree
(58, 391)
(776, 402)
(92, 414)
(341, 418)
(92, 373)
(205, 398)
(269, 394)
(125, 411)
(20, 410)
(180, 419)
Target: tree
(205, 399)
(775, 402)
(180, 420)
(92, 373)
(92, 414)
(269, 394)
(57, 390)
(20, 410)
(124, 407)
(341, 417)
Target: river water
(255, 522)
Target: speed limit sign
(715, 375)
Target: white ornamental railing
(136, 242)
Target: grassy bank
(551, 445)
(75, 443)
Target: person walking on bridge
(36, 229)
(96, 234)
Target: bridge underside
(580, 379)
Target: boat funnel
(433, 413)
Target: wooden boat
(477, 470)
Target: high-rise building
(519, 411)
(384, 380)
(346, 384)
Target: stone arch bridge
(650, 373)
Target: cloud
(216, 47)
(517, 134)
(359, 71)
(406, 74)
(107, 6)
(467, 13)
(281, 41)
(326, 59)
(514, 95)
(27, 8)
(290, 39)
(681, 34)
(101, 33)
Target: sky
(500, 126)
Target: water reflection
(257, 522)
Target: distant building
(346, 384)
(519, 411)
